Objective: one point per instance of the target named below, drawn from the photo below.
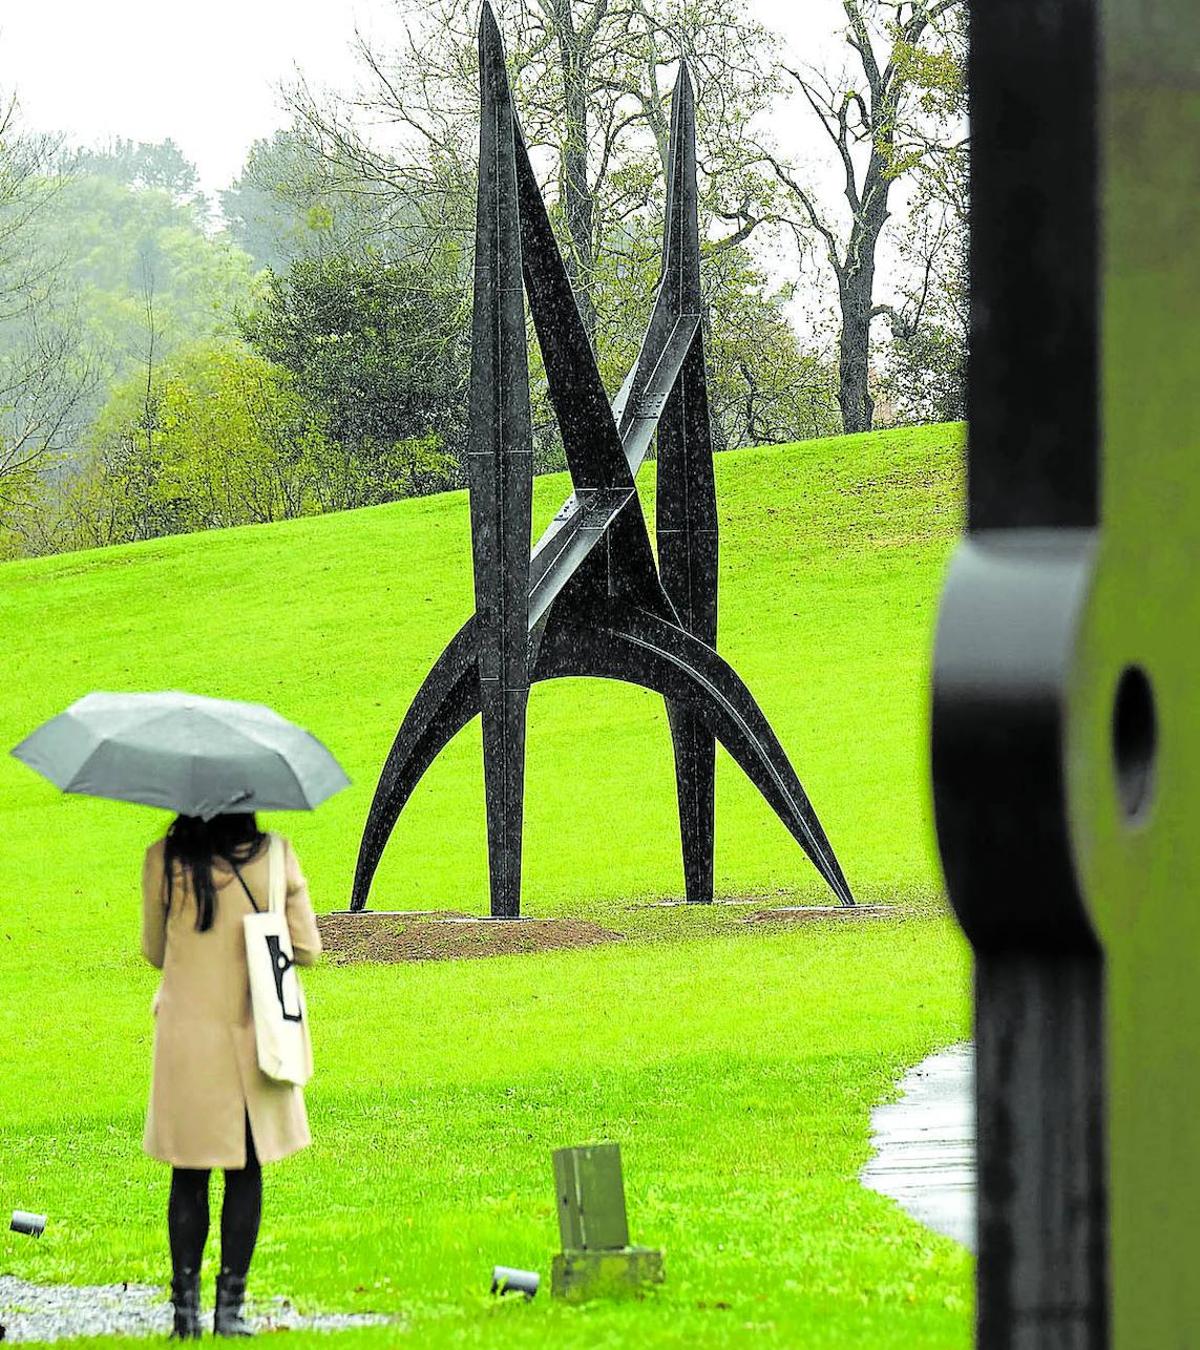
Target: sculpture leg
(695, 785)
(686, 510)
(445, 703)
(504, 786)
(500, 468)
(636, 647)
(686, 526)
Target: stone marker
(597, 1260)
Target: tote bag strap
(276, 875)
(238, 873)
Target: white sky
(208, 75)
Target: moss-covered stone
(620, 1273)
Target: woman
(210, 1104)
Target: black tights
(187, 1215)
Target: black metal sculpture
(590, 600)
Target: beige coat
(206, 1074)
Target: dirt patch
(443, 935)
(823, 914)
(342, 931)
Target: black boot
(185, 1297)
(231, 1290)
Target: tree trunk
(854, 353)
(856, 295)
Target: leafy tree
(293, 201)
(762, 387)
(118, 240)
(282, 205)
(380, 354)
(213, 436)
(93, 247)
(237, 437)
(155, 166)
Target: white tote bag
(280, 1014)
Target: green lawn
(736, 1068)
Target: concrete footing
(623, 1272)
(822, 914)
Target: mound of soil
(342, 931)
(443, 935)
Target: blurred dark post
(1066, 727)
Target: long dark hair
(194, 843)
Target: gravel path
(56, 1312)
(925, 1145)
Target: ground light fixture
(31, 1225)
(509, 1280)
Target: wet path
(53, 1312)
(925, 1145)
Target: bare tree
(884, 121)
(592, 81)
(26, 189)
(926, 365)
(44, 375)
(42, 384)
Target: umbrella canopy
(197, 756)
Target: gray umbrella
(198, 756)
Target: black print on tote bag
(281, 963)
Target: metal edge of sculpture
(589, 600)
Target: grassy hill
(831, 557)
(737, 1071)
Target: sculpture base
(821, 913)
(764, 905)
(695, 904)
(369, 916)
(623, 1272)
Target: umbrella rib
(319, 746)
(247, 734)
(103, 742)
(295, 778)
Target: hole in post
(1135, 741)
